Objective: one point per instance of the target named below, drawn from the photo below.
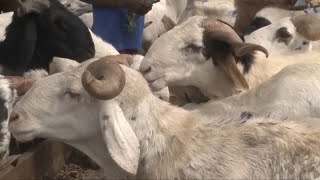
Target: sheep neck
(162, 131)
(96, 149)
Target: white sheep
(184, 62)
(128, 131)
(170, 8)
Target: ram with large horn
(197, 54)
(107, 111)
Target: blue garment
(111, 24)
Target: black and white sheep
(31, 40)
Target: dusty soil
(72, 171)
(79, 167)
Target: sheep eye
(305, 43)
(71, 93)
(194, 48)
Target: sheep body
(291, 93)
(174, 143)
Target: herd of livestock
(223, 89)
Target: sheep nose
(13, 117)
(145, 66)
(145, 69)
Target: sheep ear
(121, 141)
(230, 67)
(168, 23)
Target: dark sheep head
(64, 33)
(33, 39)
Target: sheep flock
(221, 89)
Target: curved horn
(308, 25)
(223, 32)
(104, 79)
(245, 48)
(21, 84)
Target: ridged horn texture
(104, 79)
(125, 59)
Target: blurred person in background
(120, 22)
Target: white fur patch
(10, 96)
(102, 48)
(5, 20)
(36, 74)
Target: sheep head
(73, 99)
(308, 25)
(219, 34)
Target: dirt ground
(73, 171)
(79, 167)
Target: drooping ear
(168, 23)
(120, 139)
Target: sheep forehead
(48, 86)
